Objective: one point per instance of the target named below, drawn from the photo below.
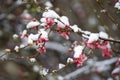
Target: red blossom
(41, 40)
(79, 61)
(24, 35)
(50, 22)
(64, 32)
(118, 63)
(91, 45)
(100, 44)
(106, 52)
(41, 49)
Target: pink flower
(80, 60)
(118, 63)
(105, 47)
(106, 52)
(91, 45)
(41, 40)
(50, 21)
(64, 32)
(41, 49)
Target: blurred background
(90, 15)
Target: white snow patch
(50, 14)
(103, 35)
(22, 46)
(32, 60)
(93, 37)
(44, 71)
(117, 5)
(48, 4)
(78, 51)
(32, 24)
(15, 36)
(75, 28)
(36, 68)
(61, 65)
(16, 48)
(69, 60)
(65, 20)
(116, 70)
(44, 34)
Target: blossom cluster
(51, 21)
(117, 5)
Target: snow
(78, 51)
(32, 24)
(15, 36)
(117, 5)
(16, 48)
(26, 15)
(44, 71)
(43, 33)
(48, 4)
(36, 68)
(116, 70)
(32, 59)
(7, 50)
(87, 32)
(103, 35)
(32, 37)
(50, 14)
(60, 24)
(43, 20)
(30, 41)
(22, 46)
(75, 28)
(69, 60)
(60, 77)
(61, 65)
(93, 37)
(65, 20)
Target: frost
(93, 37)
(75, 28)
(61, 66)
(78, 51)
(117, 5)
(50, 14)
(103, 35)
(32, 24)
(32, 59)
(16, 48)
